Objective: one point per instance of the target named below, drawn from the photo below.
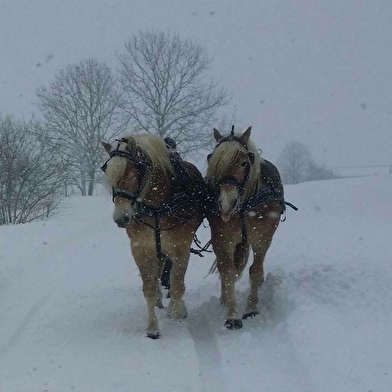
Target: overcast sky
(319, 72)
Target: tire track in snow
(280, 302)
(207, 350)
(277, 305)
(281, 363)
(24, 324)
(30, 281)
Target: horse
(246, 202)
(157, 199)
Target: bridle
(143, 173)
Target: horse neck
(158, 190)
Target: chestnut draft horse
(157, 199)
(247, 200)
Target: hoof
(159, 304)
(233, 324)
(177, 310)
(153, 335)
(250, 314)
(177, 318)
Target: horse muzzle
(226, 210)
(123, 222)
(123, 219)
(226, 217)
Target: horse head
(233, 169)
(128, 173)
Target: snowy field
(72, 313)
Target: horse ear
(106, 146)
(217, 135)
(246, 135)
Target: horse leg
(177, 309)
(151, 293)
(256, 273)
(148, 267)
(228, 274)
(256, 276)
(158, 297)
(223, 296)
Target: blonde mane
(151, 146)
(225, 155)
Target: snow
(72, 313)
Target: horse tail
(213, 268)
(241, 255)
(165, 274)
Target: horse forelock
(150, 147)
(155, 151)
(225, 155)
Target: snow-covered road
(72, 313)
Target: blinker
(104, 166)
(251, 157)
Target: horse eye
(244, 164)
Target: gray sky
(314, 71)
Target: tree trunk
(83, 182)
(91, 183)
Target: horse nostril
(123, 222)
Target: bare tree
(297, 165)
(80, 108)
(294, 162)
(167, 91)
(318, 172)
(31, 175)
